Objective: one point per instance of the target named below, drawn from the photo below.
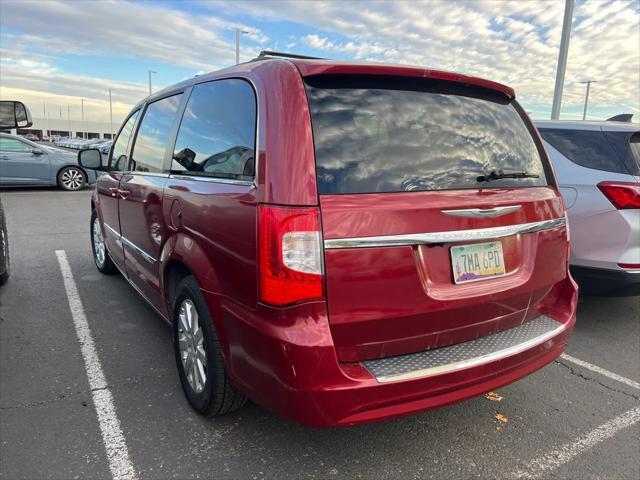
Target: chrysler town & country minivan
(339, 242)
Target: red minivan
(340, 242)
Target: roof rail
(269, 53)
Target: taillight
(623, 195)
(290, 255)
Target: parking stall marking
(601, 371)
(542, 466)
(114, 442)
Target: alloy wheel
(191, 346)
(98, 243)
(72, 179)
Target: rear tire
(71, 179)
(198, 356)
(100, 253)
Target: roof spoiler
(623, 117)
(269, 53)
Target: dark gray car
(24, 163)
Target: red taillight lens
(290, 255)
(623, 195)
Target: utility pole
(110, 114)
(69, 121)
(238, 32)
(586, 97)
(150, 72)
(562, 59)
(82, 107)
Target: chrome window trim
(120, 238)
(198, 178)
(443, 237)
(473, 362)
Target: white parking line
(601, 371)
(542, 466)
(114, 442)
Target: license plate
(475, 262)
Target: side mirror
(14, 115)
(90, 158)
(37, 151)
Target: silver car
(598, 167)
(24, 163)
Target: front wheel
(71, 179)
(100, 254)
(198, 356)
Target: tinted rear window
(608, 151)
(384, 134)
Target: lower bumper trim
(467, 354)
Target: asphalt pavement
(561, 422)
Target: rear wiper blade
(499, 174)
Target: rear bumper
(286, 361)
(606, 282)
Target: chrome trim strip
(138, 250)
(472, 362)
(120, 238)
(198, 178)
(112, 230)
(443, 237)
(482, 212)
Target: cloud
(509, 41)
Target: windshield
(387, 134)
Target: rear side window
(589, 148)
(218, 130)
(387, 134)
(119, 149)
(627, 147)
(153, 134)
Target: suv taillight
(623, 195)
(290, 266)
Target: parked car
(598, 167)
(4, 247)
(13, 114)
(31, 136)
(24, 163)
(340, 242)
(106, 147)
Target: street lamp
(82, 109)
(586, 97)
(562, 59)
(238, 32)
(150, 72)
(110, 114)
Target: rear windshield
(385, 134)
(614, 152)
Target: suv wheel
(71, 179)
(100, 254)
(198, 357)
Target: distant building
(66, 128)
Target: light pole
(82, 110)
(562, 59)
(586, 97)
(150, 72)
(238, 32)
(69, 120)
(110, 115)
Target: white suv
(598, 167)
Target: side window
(13, 145)
(151, 140)
(118, 160)
(627, 146)
(588, 148)
(218, 130)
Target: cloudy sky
(56, 52)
